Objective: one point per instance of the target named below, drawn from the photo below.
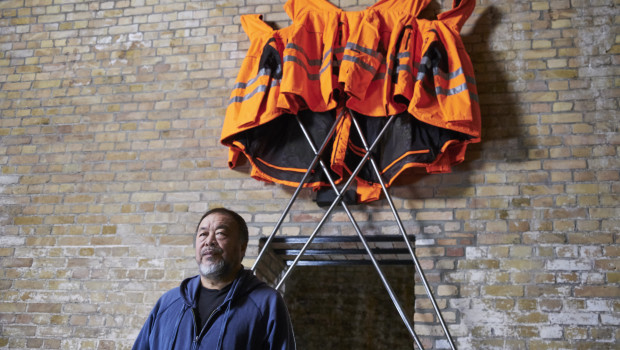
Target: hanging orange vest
(254, 126)
(431, 74)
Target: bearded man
(225, 307)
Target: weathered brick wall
(110, 119)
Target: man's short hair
(241, 224)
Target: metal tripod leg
(298, 190)
(365, 243)
(402, 230)
(333, 205)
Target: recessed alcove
(336, 297)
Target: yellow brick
(557, 63)
(28, 220)
(447, 215)
(582, 128)
(562, 106)
(136, 88)
(561, 118)
(539, 96)
(146, 197)
(537, 54)
(65, 26)
(540, 5)
(604, 213)
(497, 191)
(564, 164)
(503, 291)
(597, 291)
(541, 44)
(497, 226)
(109, 229)
(535, 317)
(16, 86)
(162, 125)
(87, 252)
(499, 238)
(561, 23)
(523, 265)
(444, 290)
(583, 189)
(559, 74)
(121, 156)
(46, 84)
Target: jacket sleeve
(142, 341)
(280, 329)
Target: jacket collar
(244, 283)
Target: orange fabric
(446, 98)
(376, 99)
(308, 64)
(252, 106)
(377, 62)
(253, 98)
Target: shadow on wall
(498, 104)
(499, 117)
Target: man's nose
(210, 239)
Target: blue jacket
(253, 317)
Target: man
(225, 307)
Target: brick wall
(110, 119)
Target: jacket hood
(244, 283)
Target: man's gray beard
(214, 271)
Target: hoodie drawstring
(226, 314)
(176, 327)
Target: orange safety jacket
(254, 126)
(308, 63)
(432, 74)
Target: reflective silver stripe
(302, 65)
(403, 55)
(357, 61)
(371, 52)
(455, 90)
(261, 73)
(260, 88)
(438, 72)
(293, 46)
(447, 92)
(329, 64)
(327, 54)
(403, 67)
(425, 64)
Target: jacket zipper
(199, 335)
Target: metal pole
(298, 190)
(402, 230)
(389, 289)
(333, 205)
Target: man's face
(219, 249)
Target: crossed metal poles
(338, 200)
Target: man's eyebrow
(224, 226)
